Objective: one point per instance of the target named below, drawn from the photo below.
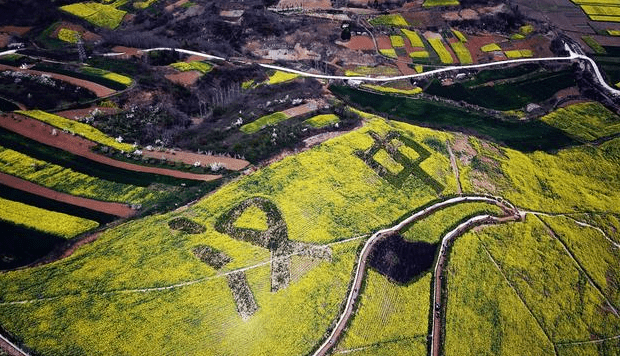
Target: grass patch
(260, 123)
(596, 47)
(462, 53)
(444, 56)
(42, 220)
(320, 121)
(78, 128)
(396, 20)
(101, 15)
(202, 67)
(384, 89)
(585, 121)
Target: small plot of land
(361, 43)
(79, 114)
(98, 14)
(322, 120)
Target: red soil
(190, 157)
(81, 113)
(401, 63)
(99, 90)
(86, 35)
(5, 39)
(15, 30)
(474, 43)
(360, 43)
(116, 209)
(41, 132)
(383, 42)
(184, 78)
(301, 109)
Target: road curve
(361, 263)
(437, 306)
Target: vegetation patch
(519, 53)
(202, 67)
(324, 120)
(459, 35)
(186, 225)
(435, 3)
(491, 47)
(260, 123)
(211, 256)
(585, 121)
(252, 218)
(68, 35)
(413, 37)
(396, 20)
(102, 15)
(462, 53)
(596, 47)
(391, 169)
(384, 89)
(281, 77)
(397, 41)
(118, 78)
(390, 52)
(46, 221)
(78, 128)
(418, 55)
(442, 52)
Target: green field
(110, 275)
(397, 41)
(413, 37)
(585, 121)
(98, 14)
(390, 52)
(491, 47)
(385, 89)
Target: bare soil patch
(383, 42)
(463, 149)
(307, 4)
(99, 90)
(184, 78)
(5, 39)
(474, 42)
(401, 63)
(15, 30)
(79, 146)
(190, 158)
(171, 7)
(128, 51)
(116, 209)
(363, 43)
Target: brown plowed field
(363, 43)
(116, 209)
(41, 132)
(383, 42)
(99, 90)
(184, 78)
(232, 164)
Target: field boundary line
(588, 341)
(455, 168)
(538, 322)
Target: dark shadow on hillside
(526, 136)
(401, 260)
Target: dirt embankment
(41, 132)
(232, 164)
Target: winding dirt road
(361, 263)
